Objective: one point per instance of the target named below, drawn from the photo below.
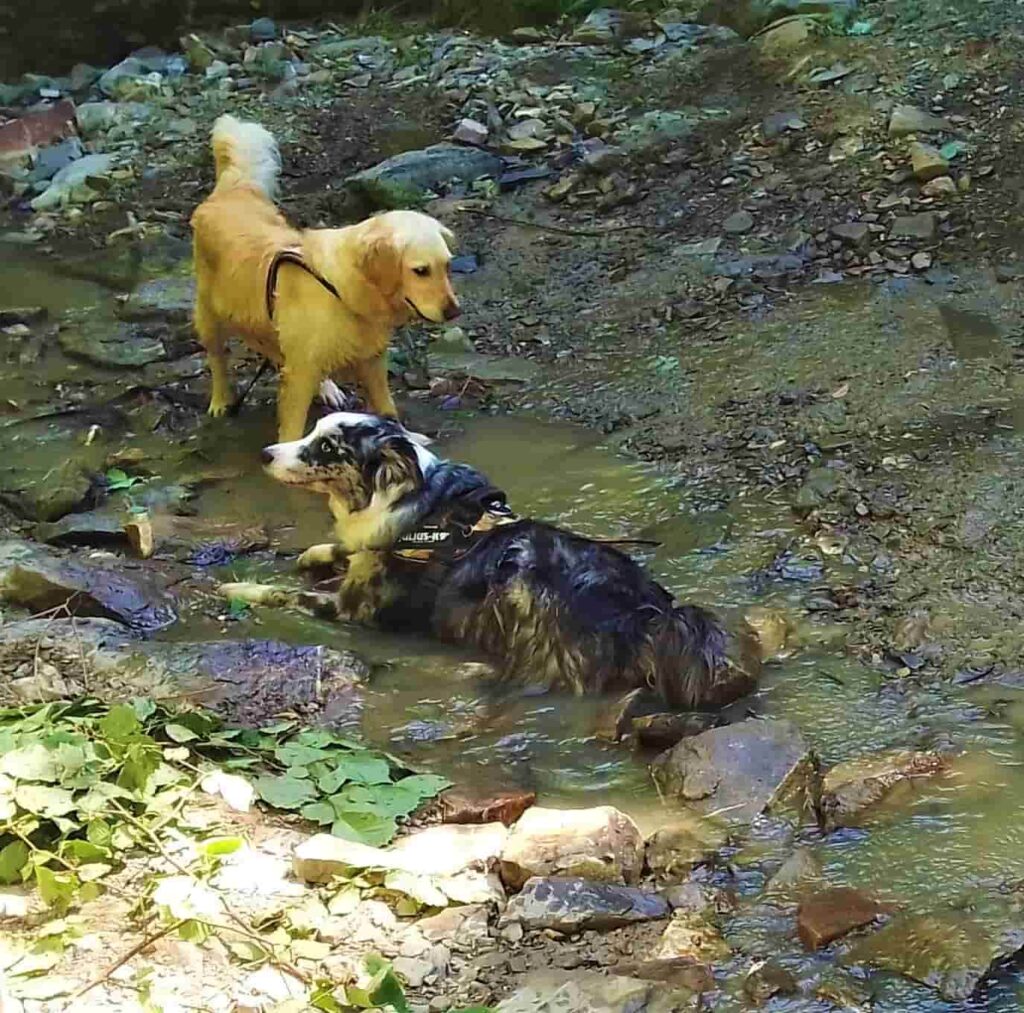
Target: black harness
(290, 255)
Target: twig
(562, 229)
(123, 959)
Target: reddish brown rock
(460, 805)
(24, 135)
(831, 914)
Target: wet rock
(94, 528)
(263, 30)
(663, 731)
(471, 132)
(402, 179)
(776, 124)
(832, 914)
(855, 234)
(799, 873)
(952, 952)
(768, 979)
(853, 788)
(654, 130)
(688, 840)
(927, 162)
(600, 844)
(574, 905)
(46, 494)
(786, 39)
(680, 972)
(94, 117)
(921, 261)
(922, 226)
(693, 937)
(911, 120)
(589, 992)
(39, 579)
(79, 182)
(739, 770)
(168, 299)
(738, 223)
(452, 340)
(110, 344)
(127, 79)
(462, 805)
(437, 851)
(600, 28)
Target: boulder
(77, 183)
(693, 937)
(786, 39)
(403, 179)
(444, 851)
(46, 493)
(739, 770)
(906, 119)
(853, 788)
(921, 226)
(799, 873)
(55, 157)
(570, 904)
(21, 137)
(470, 131)
(465, 805)
(39, 579)
(687, 840)
(679, 972)
(855, 234)
(128, 79)
(168, 299)
(950, 951)
(113, 345)
(927, 162)
(601, 844)
(590, 992)
(750, 16)
(93, 117)
(830, 914)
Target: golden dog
(315, 302)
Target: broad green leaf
(385, 989)
(30, 763)
(364, 828)
(221, 845)
(57, 889)
(44, 800)
(278, 727)
(13, 858)
(83, 851)
(144, 708)
(362, 768)
(294, 754)
(424, 785)
(179, 733)
(97, 799)
(248, 952)
(98, 833)
(950, 150)
(285, 792)
(120, 723)
(140, 763)
(319, 812)
(92, 871)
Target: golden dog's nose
(452, 310)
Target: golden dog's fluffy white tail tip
(245, 152)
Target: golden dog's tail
(245, 153)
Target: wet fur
(314, 335)
(550, 607)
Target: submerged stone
(590, 992)
(571, 904)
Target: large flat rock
(589, 992)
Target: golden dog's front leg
(298, 387)
(328, 554)
(373, 377)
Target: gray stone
(37, 578)
(45, 493)
(50, 160)
(77, 182)
(263, 30)
(738, 223)
(340, 48)
(452, 339)
(132, 78)
(574, 905)
(471, 132)
(603, 158)
(855, 234)
(590, 992)
(927, 162)
(749, 16)
(911, 120)
(93, 117)
(801, 872)
(737, 771)
(405, 178)
(656, 129)
(922, 226)
(778, 123)
(685, 841)
(110, 344)
(168, 299)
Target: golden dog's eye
(421, 271)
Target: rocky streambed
(776, 280)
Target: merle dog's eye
(421, 271)
(331, 448)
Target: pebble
(471, 132)
(738, 223)
(927, 162)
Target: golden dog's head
(405, 255)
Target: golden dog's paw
(318, 555)
(218, 410)
(256, 594)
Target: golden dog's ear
(448, 236)
(381, 262)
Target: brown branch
(561, 229)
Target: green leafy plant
(84, 784)
(663, 365)
(121, 481)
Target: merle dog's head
(366, 465)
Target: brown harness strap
(290, 255)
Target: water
(425, 701)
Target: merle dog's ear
(418, 438)
(390, 463)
